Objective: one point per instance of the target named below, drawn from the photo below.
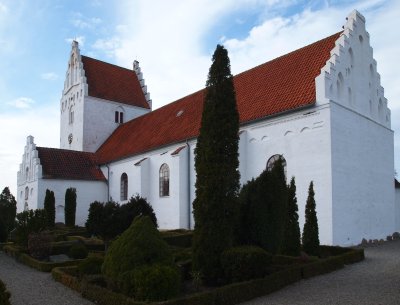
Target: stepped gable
(113, 83)
(280, 85)
(69, 164)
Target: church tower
(96, 99)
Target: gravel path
(375, 281)
(31, 287)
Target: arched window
(273, 159)
(26, 193)
(124, 187)
(164, 180)
(71, 115)
(27, 173)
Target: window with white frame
(124, 187)
(164, 180)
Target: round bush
(245, 263)
(78, 251)
(91, 265)
(155, 283)
(141, 244)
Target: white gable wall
(303, 138)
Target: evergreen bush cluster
(32, 221)
(264, 209)
(110, 219)
(310, 231)
(140, 248)
(70, 207)
(245, 262)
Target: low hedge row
(230, 294)
(24, 258)
(4, 295)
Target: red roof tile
(110, 82)
(280, 85)
(69, 164)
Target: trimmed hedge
(227, 295)
(4, 295)
(25, 259)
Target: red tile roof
(69, 164)
(280, 85)
(110, 82)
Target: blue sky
(173, 41)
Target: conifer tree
(8, 211)
(70, 207)
(216, 164)
(263, 209)
(50, 208)
(291, 241)
(310, 231)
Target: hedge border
(34, 263)
(230, 294)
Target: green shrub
(155, 283)
(78, 251)
(39, 245)
(245, 262)
(140, 245)
(50, 208)
(91, 265)
(70, 207)
(3, 232)
(4, 295)
(32, 221)
(136, 206)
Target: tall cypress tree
(70, 207)
(50, 208)
(310, 231)
(291, 241)
(216, 162)
(8, 211)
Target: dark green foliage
(50, 208)
(291, 240)
(39, 245)
(32, 221)
(70, 207)
(215, 208)
(263, 209)
(136, 206)
(91, 265)
(310, 231)
(4, 295)
(245, 263)
(155, 283)
(3, 232)
(8, 211)
(140, 245)
(104, 220)
(78, 251)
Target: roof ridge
(107, 63)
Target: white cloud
(42, 123)
(108, 46)
(22, 103)
(3, 8)
(79, 39)
(49, 76)
(80, 21)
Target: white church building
(322, 108)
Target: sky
(173, 40)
